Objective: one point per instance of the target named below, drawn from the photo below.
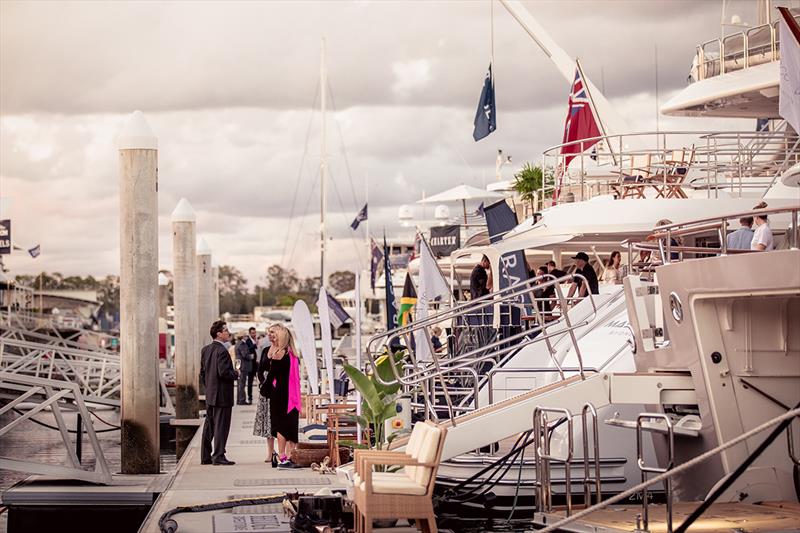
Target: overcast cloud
(229, 90)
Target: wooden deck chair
(407, 493)
(634, 183)
(677, 172)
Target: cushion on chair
(381, 485)
(427, 454)
(386, 476)
(414, 444)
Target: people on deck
(587, 271)
(218, 375)
(480, 280)
(262, 426)
(554, 271)
(246, 355)
(613, 272)
(436, 341)
(762, 236)
(283, 387)
(742, 237)
(545, 296)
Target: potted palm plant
(528, 181)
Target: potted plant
(528, 180)
(378, 401)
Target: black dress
(282, 422)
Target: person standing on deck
(283, 387)
(263, 426)
(218, 375)
(742, 237)
(587, 271)
(246, 355)
(762, 237)
(480, 281)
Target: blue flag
(360, 217)
(391, 306)
(35, 251)
(485, 117)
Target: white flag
(304, 332)
(431, 285)
(789, 105)
(327, 342)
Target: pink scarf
(294, 383)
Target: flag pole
(594, 112)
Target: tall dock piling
(138, 298)
(187, 350)
(205, 289)
(215, 293)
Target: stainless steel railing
(474, 311)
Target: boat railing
(479, 313)
(670, 162)
(663, 241)
(667, 473)
(737, 51)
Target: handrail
(543, 456)
(665, 233)
(504, 296)
(672, 472)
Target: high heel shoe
(274, 460)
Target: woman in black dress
(262, 426)
(283, 381)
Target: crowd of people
(274, 361)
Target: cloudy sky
(229, 89)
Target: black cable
(167, 525)
(733, 476)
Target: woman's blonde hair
(285, 338)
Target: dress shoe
(224, 462)
(205, 462)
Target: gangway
(58, 396)
(96, 374)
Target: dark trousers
(245, 381)
(216, 428)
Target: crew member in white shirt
(762, 237)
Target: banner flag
(432, 285)
(35, 251)
(360, 217)
(327, 341)
(485, 116)
(303, 328)
(338, 315)
(445, 240)
(407, 301)
(375, 260)
(391, 305)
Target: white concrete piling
(163, 295)
(205, 292)
(215, 293)
(187, 351)
(138, 224)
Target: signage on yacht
(445, 240)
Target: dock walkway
(250, 477)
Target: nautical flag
(391, 306)
(35, 251)
(581, 122)
(407, 301)
(789, 98)
(338, 315)
(479, 212)
(360, 217)
(375, 259)
(432, 285)
(485, 116)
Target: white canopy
(462, 192)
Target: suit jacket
(246, 355)
(218, 375)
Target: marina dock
(250, 477)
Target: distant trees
(283, 288)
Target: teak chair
(632, 185)
(406, 493)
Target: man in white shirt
(762, 237)
(742, 237)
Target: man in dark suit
(218, 375)
(246, 355)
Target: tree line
(282, 287)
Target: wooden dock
(250, 477)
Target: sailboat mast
(323, 81)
